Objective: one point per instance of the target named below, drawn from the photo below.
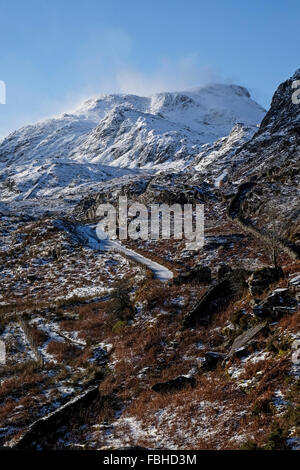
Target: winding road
(88, 235)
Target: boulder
(202, 274)
(99, 355)
(211, 360)
(45, 429)
(174, 385)
(242, 341)
(261, 279)
(32, 278)
(276, 305)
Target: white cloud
(168, 76)
(110, 70)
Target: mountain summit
(126, 132)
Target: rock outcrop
(217, 297)
(261, 279)
(174, 385)
(277, 304)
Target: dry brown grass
(93, 323)
(290, 323)
(252, 368)
(63, 351)
(158, 344)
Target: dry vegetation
(138, 321)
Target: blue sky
(54, 54)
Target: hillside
(147, 344)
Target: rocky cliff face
(274, 149)
(271, 160)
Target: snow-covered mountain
(116, 135)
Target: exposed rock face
(165, 188)
(271, 160)
(174, 385)
(277, 304)
(223, 270)
(241, 342)
(217, 297)
(215, 159)
(261, 279)
(170, 187)
(109, 192)
(45, 428)
(277, 140)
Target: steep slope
(276, 143)
(214, 159)
(271, 161)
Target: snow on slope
(214, 159)
(126, 132)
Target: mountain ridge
(125, 132)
